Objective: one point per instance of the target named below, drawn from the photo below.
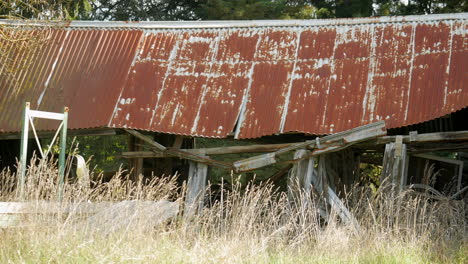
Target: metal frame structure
(27, 120)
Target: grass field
(248, 225)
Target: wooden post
(395, 165)
(196, 188)
(300, 179)
(137, 163)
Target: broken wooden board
(322, 145)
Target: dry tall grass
(251, 225)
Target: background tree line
(144, 10)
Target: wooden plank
(178, 142)
(179, 153)
(196, 188)
(343, 212)
(413, 135)
(300, 179)
(322, 145)
(255, 162)
(197, 158)
(143, 154)
(244, 149)
(437, 146)
(395, 165)
(146, 139)
(428, 137)
(319, 181)
(212, 151)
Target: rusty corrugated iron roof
(253, 78)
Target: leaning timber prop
(171, 152)
(323, 145)
(305, 177)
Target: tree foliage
(47, 9)
(145, 10)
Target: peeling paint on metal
(260, 78)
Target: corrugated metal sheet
(252, 78)
(82, 69)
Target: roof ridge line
(238, 23)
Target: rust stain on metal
(252, 80)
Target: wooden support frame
(450, 143)
(169, 152)
(322, 145)
(211, 151)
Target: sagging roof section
(268, 77)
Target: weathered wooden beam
(320, 183)
(395, 165)
(428, 137)
(322, 145)
(212, 151)
(178, 142)
(196, 188)
(437, 146)
(178, 153)
(300, 178)
(146, 139)
(143, 154)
